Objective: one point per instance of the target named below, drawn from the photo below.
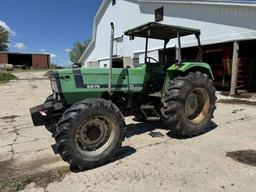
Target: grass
(6, 76)
(15, 185)
(41, 179)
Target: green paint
(188, 66)
(185, 68)
(94, 81)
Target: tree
(4, 39)
(78, 50)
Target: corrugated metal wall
(3, 58)
(218, 22)
(40, 61)
(221, 13)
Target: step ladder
(150, 112)
(244, 74)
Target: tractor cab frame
(164, 32)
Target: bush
(5, 77)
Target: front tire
(89, 133)
(189, 104)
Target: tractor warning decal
(78, 79)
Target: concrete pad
(163, 163)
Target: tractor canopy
(160, 31)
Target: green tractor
(86, 111)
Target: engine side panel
(82, 83)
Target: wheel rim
(94, 134)
(197, 105)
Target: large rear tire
(189, 104)
(89, 133)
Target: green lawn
(6, 76)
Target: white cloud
(7, 28)
(52, 55)
(67, 50)
(20, 46)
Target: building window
(105, 65)
(159, 14)
(113, 2)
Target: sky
(48, 26)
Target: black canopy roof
(160, 31)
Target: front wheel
(189, 104)
(89, 133)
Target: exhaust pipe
(111, 58)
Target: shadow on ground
(247, 157)
(237, 102)
(138, 129)
(144, 127)
(123, 152)
(210, 127)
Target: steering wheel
(148, 60)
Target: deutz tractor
(86, 111)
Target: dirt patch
(237, 101)
(225, 93)
(247, 157)
(241, 95)
(34, 86)
(9, 169)
(9, 117)
(42, 179)
(240, 119)
(237, 110)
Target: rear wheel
(89, 133)
(189, 104)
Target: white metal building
(220, 22)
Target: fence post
(234, 69)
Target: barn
(27, 60)
(228, 36)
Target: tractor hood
(76, 84)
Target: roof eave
(235, 3)
(97, 17)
